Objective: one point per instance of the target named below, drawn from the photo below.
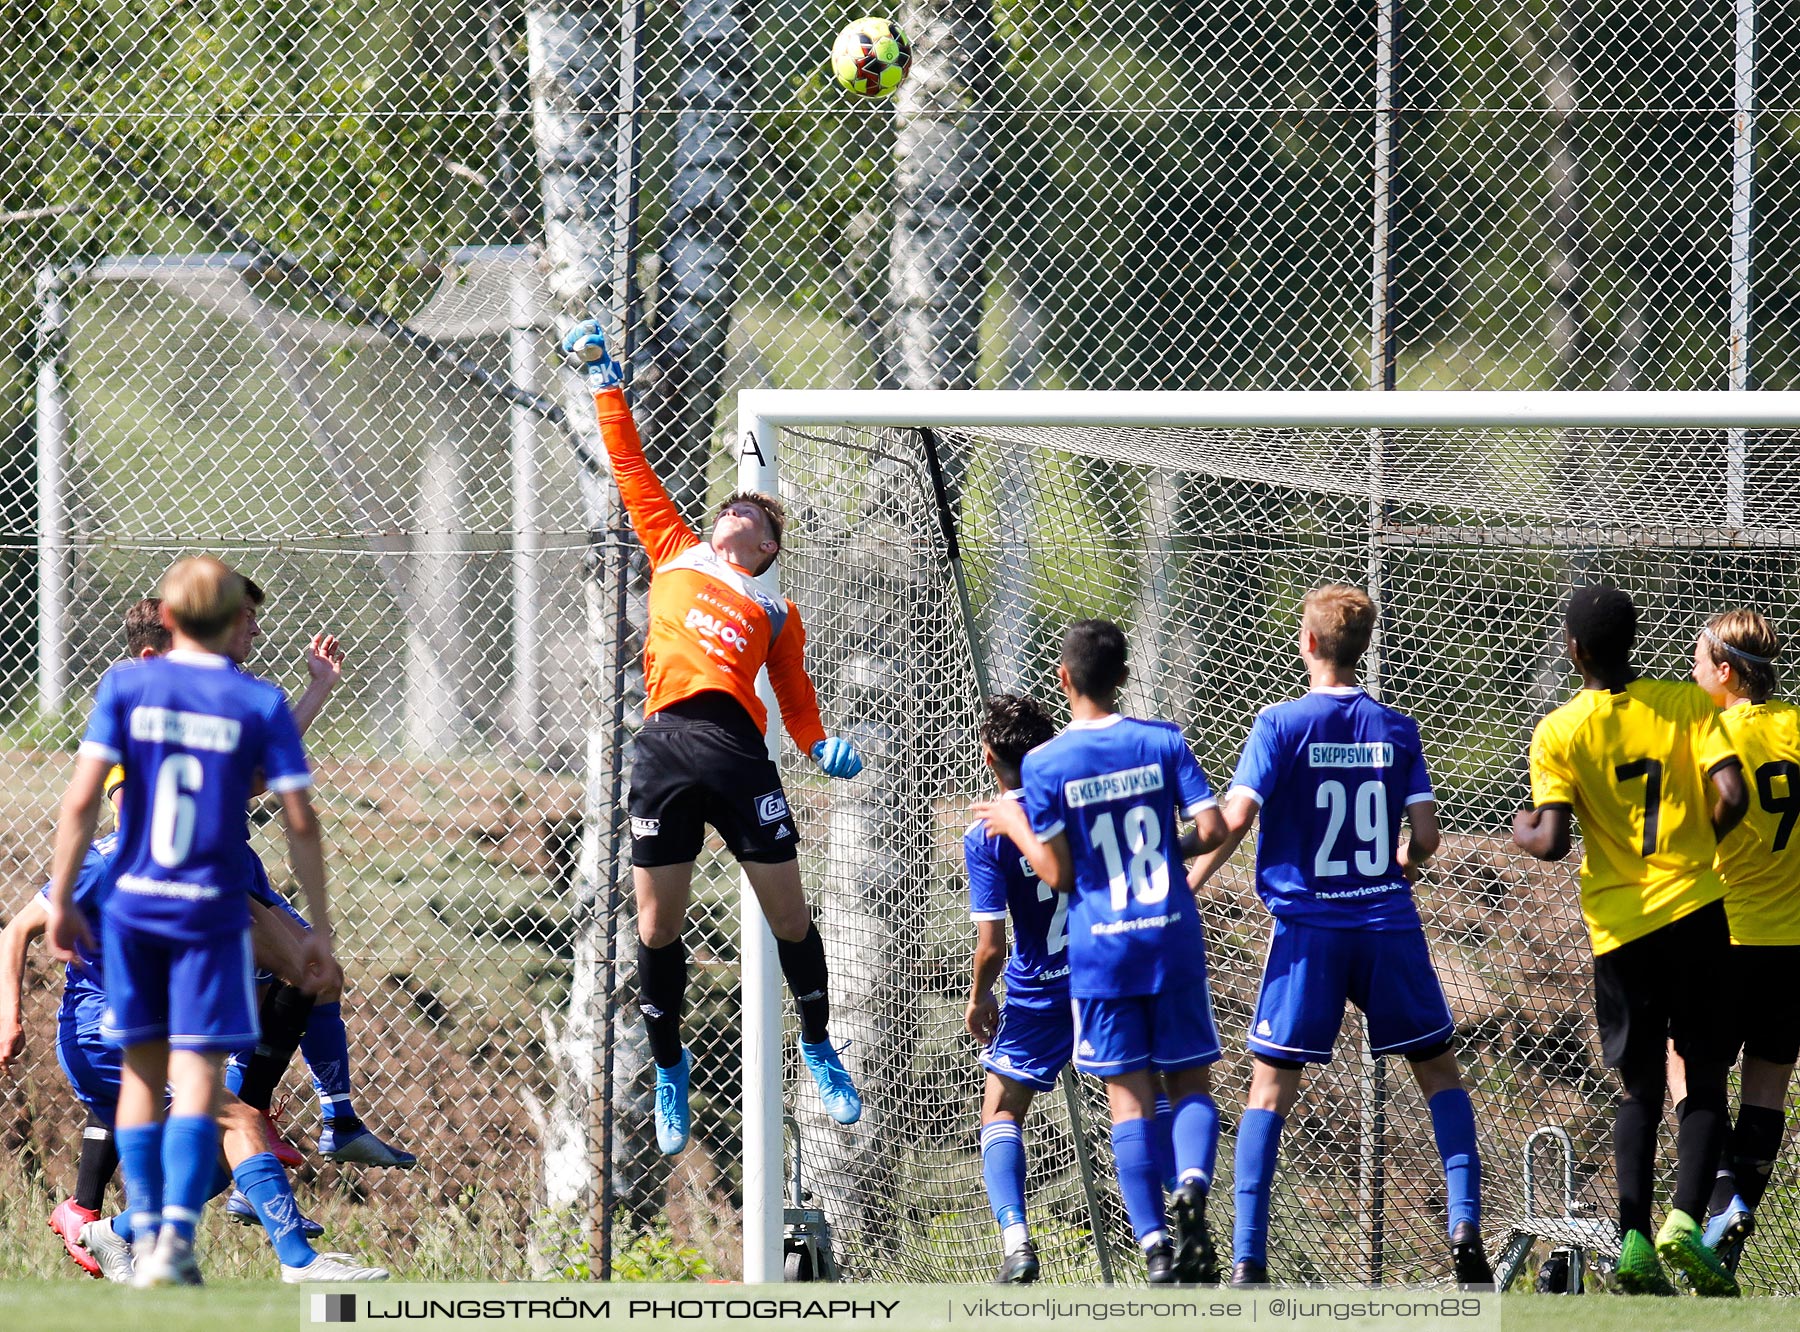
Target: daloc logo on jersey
(772, 808)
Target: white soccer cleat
(108, 1249)
(170, 1263)
(332, 1267)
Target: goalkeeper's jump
(701, 757)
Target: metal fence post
(1382, 351)
(52, 404)
(1743, 180)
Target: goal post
(1197, 519)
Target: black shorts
(1665, 987)
(1765, 992)
(703, 761)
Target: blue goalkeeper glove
(837, 758)
(587, 344)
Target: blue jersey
(1334, 772)
(192, 733)
(84, 990)
(1002, 883)
(1113, 787)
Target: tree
(573, 49)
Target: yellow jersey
(1633, 767)
(1760, 858)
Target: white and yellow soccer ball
(871, 56)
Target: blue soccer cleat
(350, 1143)
(835, 1088)
(239, 1211)
(672, 1119)
(1726, 1232)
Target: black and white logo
(771, 808)
(645, 827)
(334, 1308)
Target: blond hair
(1743, 640)
(1342, 619)
(203, 596)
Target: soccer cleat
(169, 1263)
(68, 1220)
(1196, 1263)
(672, 1105)
(1249, 1272)
(1726, 1232)
(1679, 1244)
(835, 1088)
(1639, 1271)
(283, 1150)
(350, 1143)
(1159, 1262)
(110, 1251)
(1468, 1260)
(332, 1267)
(240, 1211)
(1020, 1267)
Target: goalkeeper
(701, 758)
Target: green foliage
(652, 1254)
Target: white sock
(1014, 1237)
(1153, 1239)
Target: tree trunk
(937, 266)
(943, 174)
(574, 65)
(701, 245)
(1571, 331)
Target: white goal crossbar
(762, 412)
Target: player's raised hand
(325, 659)
(837, 757)
(983, 1018)
(586, 343)
(66, 934)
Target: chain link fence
(211, 216)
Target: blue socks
(190, 1156)
(141, 1165)
(265, 1184)
(1453, 1125)
(327, 1051)
(1003, 1171)
(1196, 1139)
(1164, 1141)
(1134, 1154)
(1258, 1144)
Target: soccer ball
(871, 57)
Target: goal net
(1201, 540)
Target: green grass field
(51, 1306)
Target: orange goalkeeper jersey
(711, 627)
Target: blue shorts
(92, 1068)
(198, 994)
(1311, 971)
(1166, 1032)
(1032, 1045)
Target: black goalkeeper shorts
(703, 761)
(1764, 984)
(1665, 987)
